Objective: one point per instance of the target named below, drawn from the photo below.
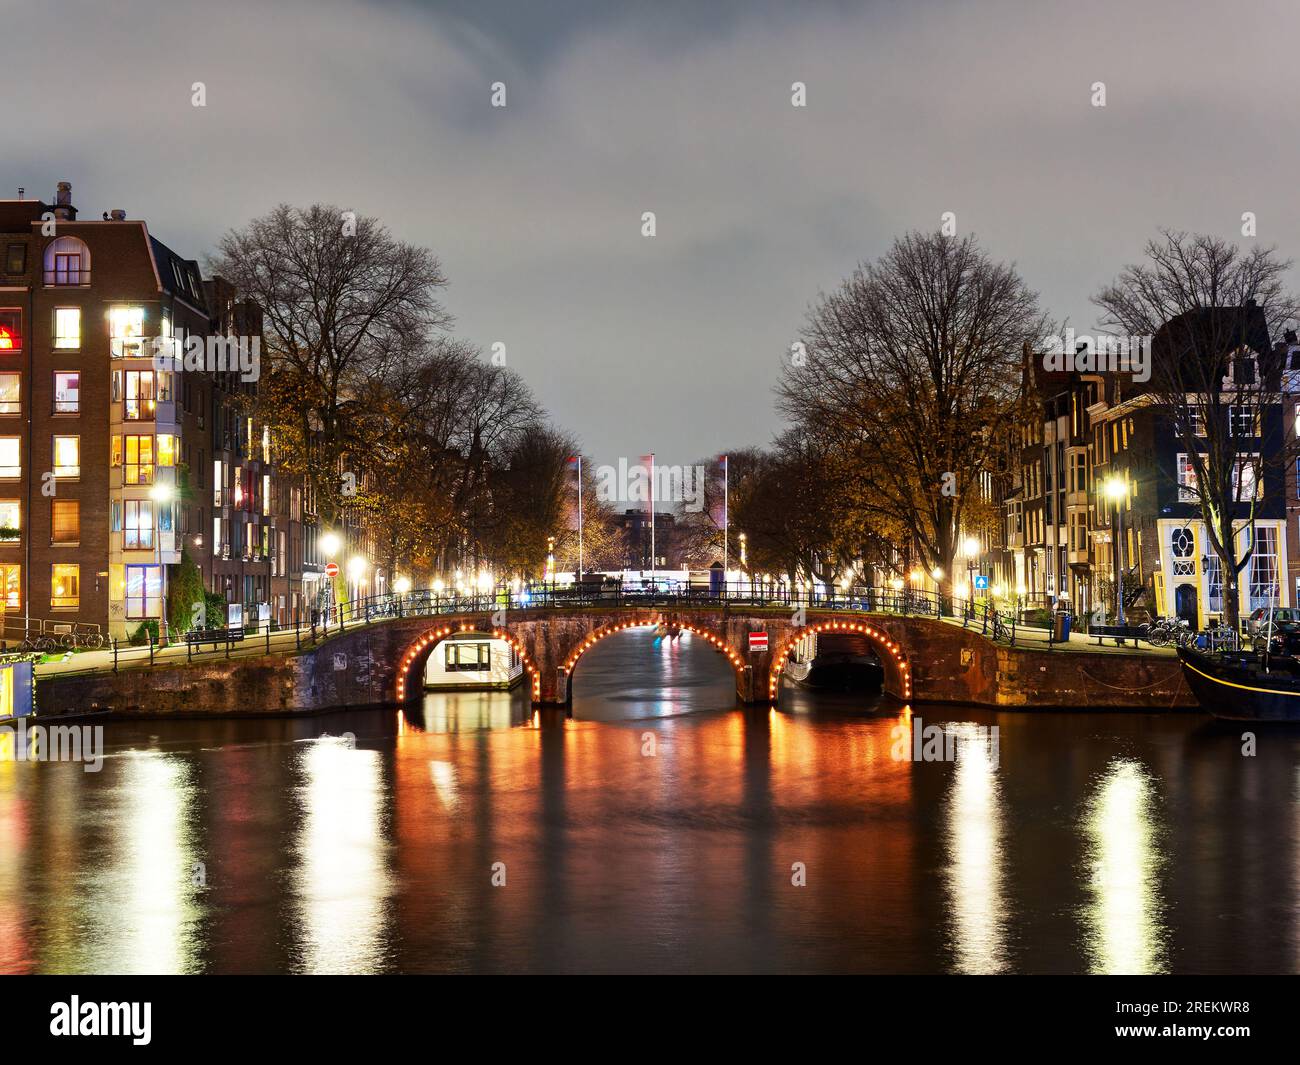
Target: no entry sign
(758, 641)
(331, 569)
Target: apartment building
(116, 461)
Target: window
(67, 262)
(143, 592)
(65, 521)
(1182, 544)
(67, 327)
(166, 449)
(126, 322)
(65, 585)
(139, 460)
(11, 330)
(1186, 479)
(10, 583)
(1214, 584)
(11, 465)
(11, 393)
(266, 493)
(463, 655)
(16, 259)
(67, 456)
(218, 479)
(138, 531)
(139, 403)
(1196, 421)
(67, 393)
(1244, 421)
(1245, 480)
(1263, 567)
(10, 520)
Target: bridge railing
(309, 630)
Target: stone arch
(896, 668)
(420, 649)
(719, 644)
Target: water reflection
(1124, 930)
(975, 842)
(342, 883)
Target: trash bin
(1060, 628)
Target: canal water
(658, 829)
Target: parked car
(1257, 623)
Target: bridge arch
(417, 653)
(590, 640)
(891, 654)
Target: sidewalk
(1036, 639)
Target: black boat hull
(1236, 691)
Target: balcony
(134, 347)
(61, 278)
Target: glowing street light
(402, 585)
(329, 544)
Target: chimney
(117, 214)
(63, 209)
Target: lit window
(11, 393)
(65, 585)
(166, 450)
(10, 583)
(67, 456)
(10, 457)
(143, 592)
(139, 403)
(67, 327)
(65, 521)
(126, 322)
(10, 520)
(67, 262)
(139, 460)
(11, 331)
(67, 393)
(137, 533)
(218, 478)
(266, 493)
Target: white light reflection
(146, 911)
(975, 876)
(342, 881)
(1124, 930)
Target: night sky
(670, 343)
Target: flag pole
(726, 477)
(653, 558)
(579, 517)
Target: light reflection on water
(1092, 843)
(1124, 923)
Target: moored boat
(1237, 686)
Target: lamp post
(970, 547)
(329, 547)
(1116, 492)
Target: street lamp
(329, 544)
(402, 585)
(1116, 491)
(970, 548)
(357, 571)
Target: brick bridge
(551, 641)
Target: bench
(1118, 633)
(213, 636)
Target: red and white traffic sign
(758, 641)
(331, 569)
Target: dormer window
(67, 262)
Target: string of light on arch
(882, 638)
(590, 641)
(433, 636)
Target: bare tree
(910, 367)
(1214, 312)
(344, 305)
